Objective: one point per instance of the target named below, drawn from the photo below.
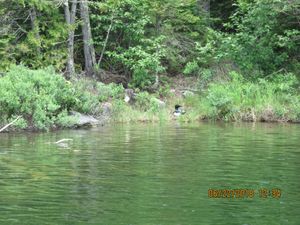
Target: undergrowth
(275, 99)
(43, 100)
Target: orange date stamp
(244, 193)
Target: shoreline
(144, 122)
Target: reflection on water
(151, 174)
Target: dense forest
(242, 58)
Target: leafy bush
(144, 61)
(64, 120)
(205, 77)
(143, 100)
(118, 108)
(147, 103)
(191, 68)
(266, 37)
(21, 123)
(87, 99)
(219, 98)
(40, 96)
(111, 90)
(164, 87)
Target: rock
(85, 120)
(186, 94)
(268, 115)
(129, 96)
(106, 109)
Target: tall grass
(275, 99)
(236, 99)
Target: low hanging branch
(8, 125)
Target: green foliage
(147, 103)
(182, 23)
(111, 90)
(65, 120)
(118, 108)
(143, 100)
(21, 123)
(240, 99)
(206, 75)
(144, 62)
(191, 68)
(147, 37)
(164, 87)
(264, 42)
(91, 93)
(38, 45)
(262, 37)
(127, 20)
(40, 96)
(143, 40)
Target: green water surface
(151, 175)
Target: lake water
(152, 175)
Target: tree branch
(106, 40)
(8, 125)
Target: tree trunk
(35, 28)
(204, 6)
(88, 46)
(70, 17)
(204, 10)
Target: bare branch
(8, 125)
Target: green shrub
(191, 68)
(219, 98)
(40, 96)
(21, 123)
(63, 119)
(118, 108)
(276, 99)
(164, 88)
(111, 90)
(205, 77)
(142, 78)
(265, 39)
(143, 100)
(87, 100)
(144, 61)
(147, 103)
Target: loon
(178, 110)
